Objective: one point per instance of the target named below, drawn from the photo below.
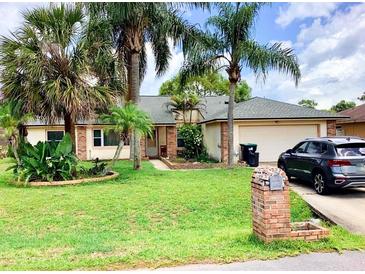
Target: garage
(273, 140)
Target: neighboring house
(274, 126)
(355, 124)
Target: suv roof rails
(336, 137)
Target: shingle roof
(156, 107)
(263, 108)
(356, 114)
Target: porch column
(171, 136)
(331, 128)
(224, 141)
(81, 142)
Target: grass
(148, 218)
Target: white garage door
(273, 140)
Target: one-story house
(274, 126)
(355, 124)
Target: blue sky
(328, 39)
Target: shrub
(47, 161)
(99, 169)
(193, 140)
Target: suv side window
(317, 148)
(301, 148)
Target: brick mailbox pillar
(271, 209)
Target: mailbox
(276, 182)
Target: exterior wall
(195, 117)
(171, 141)
(36, 134)
(331, 128)
(353, 129)
(102, 153)
(212, 139)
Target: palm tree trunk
(14, 146)
(118, 151)
(232, 87)
(134, 85)
(70, 128)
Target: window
(97, 138)
(180, 140)
(301, 148)
(54, 135)
(351, 149)
(110, 138)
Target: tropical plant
(231, 47)
(134, 25)
(193, 140)
(98, 169)
(49, 66)
(308, 103)
(343, 105)
(124, 120)
(362, 97)
(183, 103)
(46, 161)
(12, 121)
(209, 84)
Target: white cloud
(332, 59)
(151, 83)
(300, 11)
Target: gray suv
(328, 162)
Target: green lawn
(148, 218)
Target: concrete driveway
(346, 207)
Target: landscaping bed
(110, 176)
(147, 218)
(180, 163)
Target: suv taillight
(338, 163)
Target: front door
(152, 146)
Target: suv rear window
(352, 149)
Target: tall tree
(133, 26)
(343, 105)
(309, 103)
(48, 67)
(124, 120)
(362, 97)
(206, 85)
(231, 47)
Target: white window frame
(54, 130)
(101, 137)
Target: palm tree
(232, 48)
(133, 26)
(126, 119)
(48, 66)
(12, 121)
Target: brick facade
(224, 142)
(271, 211)
(171, 141)
(331, 128)
(143, 147)
(81, 142)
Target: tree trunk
(118, 151)
(70, 128)
(232, 87)
(134, 86)
(14, 146)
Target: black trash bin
(249, 154)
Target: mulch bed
(196, 165)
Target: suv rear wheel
(320, 183)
